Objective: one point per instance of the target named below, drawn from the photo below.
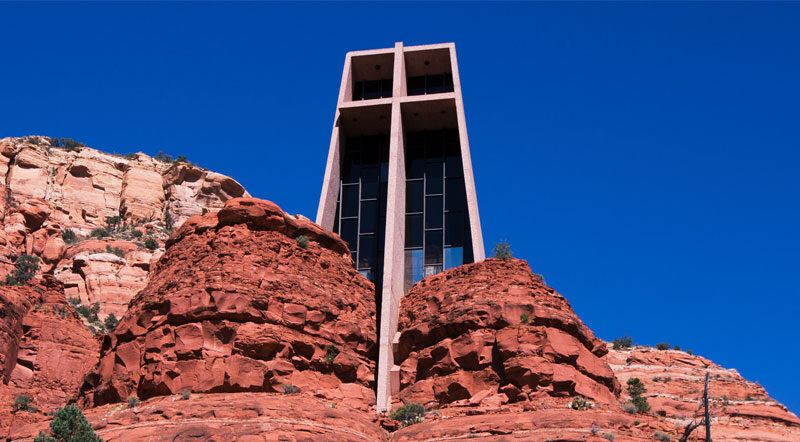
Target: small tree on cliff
(69, 425)
(637, 390)
(26, 267)
(502, 250)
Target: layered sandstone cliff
(47, 190)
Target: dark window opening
(370, 90)
(430, 84)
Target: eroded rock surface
(493, 333)
(236, 304)
(47, 350)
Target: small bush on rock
(100, 233)
(136, 233)
(663, 346)
(302, 241)
(624, 342)
(132, 401)
(410, 413)
(111, 322)
(637, 389)
(26, 267)
(502, 250)
(69, 236)
(330, 353)
(115, 250)
(69, 425)
(151, 244)
(609, 436)
(186, 394)
(660, 435)
(290, 389)
(524, 318)
(22, 403)
(580, 403)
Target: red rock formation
(47, 189)
(47, 350)
(674, 380)
(227, 417)
(235, 304)
(493, 333)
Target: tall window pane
(453, 257)
(433, 178)
(415, 199)
(414, 230)
(433, 247)
(433, 212)
(350, 233)
(350, 200)
(366, 252)
(369, 215)
(455, 195)
(369, 183)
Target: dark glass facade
(361, 207)
(437, 223)
(368, 90)
(430, 84)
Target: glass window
(452, 162)
(414, 230)
(414, 196)
(434, 146)
(372, 89)
(448, 82)
(413, 268)
(454, 228)
(433, 247)
(434, 84)
(366, 252)
(415, 162)
(433, 212)
(386, 88)
(350, 200)
(416, 85)
(371, 153)
(369, 274)
(381, 232)
(453, 257)
(369, 182)
(350, 169)
(350, 233)
(382, 199)
(358, 90)
(455, 195)
(433, 178)
(369, 216)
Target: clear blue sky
(643, 157)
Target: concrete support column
(469, 181)
(393, 254)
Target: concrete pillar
(394, 248)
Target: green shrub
(151, 244)
(609, 436)
(524, 318)
(330, 353)
(111, 322)
(69, 425)
(637, 389)
(676, 347)
(502, 250)
(629, 408)
(69, 236)
(137, 233)
(113, 222)
(302, 241)
(689, 352)
(22, 403)
(290, 389)
(26, 267)
(133, 401)
(66, 143)
(664, 437)
(100, 233)
(186, 394)
(164, 158)
(169, 223)
(624, 342)
(410, 413)
(115, 250)
(663, 346)
(130, 156)
(580, 403)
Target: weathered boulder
(236, 304)
(493, 330)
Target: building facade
(398, 184)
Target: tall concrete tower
(398, 184)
